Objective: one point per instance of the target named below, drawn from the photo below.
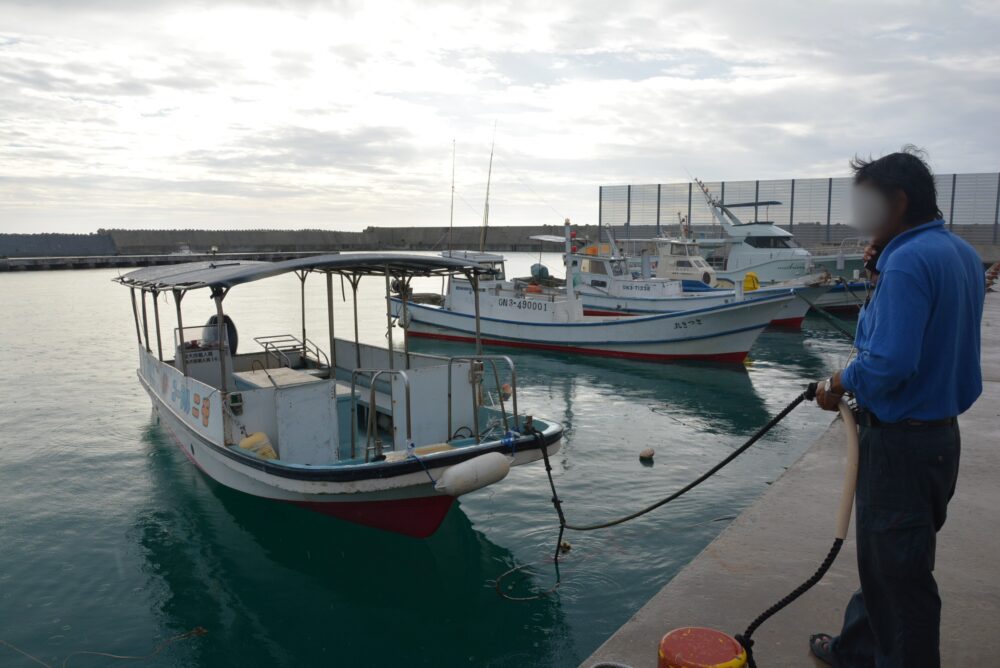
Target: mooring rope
(746, 639)
(193, 633)
(564, 524)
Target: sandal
(820, 645)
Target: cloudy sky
(341, 114)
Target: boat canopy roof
(739, 205)
(227, 273)
(761, 229)
(550, 238)
(472, 256)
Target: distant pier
(112, 261)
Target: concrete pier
(780, 540)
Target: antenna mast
(486, 208)
(451, 217)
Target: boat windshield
(618, 268)
(593, 266)
(684, 249)
(771, 242)
(497, 270)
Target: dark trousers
(906, 476)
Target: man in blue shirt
(916, 369)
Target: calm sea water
(111, 541)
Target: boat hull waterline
(723, 334)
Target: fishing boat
(608, 286)
(378, 436)
(509, 313)
(770, 253)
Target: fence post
(756, 198)
(690, 185)
(829, 203)
(628, 211)
(791, 207)
(658, 187)
(951, 211)
(600, 212)
(996, 210)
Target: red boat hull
(418, 517)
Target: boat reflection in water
(278, 587)
(695, 391)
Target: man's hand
(870, 252)
(829, 401)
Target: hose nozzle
(811, 391)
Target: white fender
(473, 474)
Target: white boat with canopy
(381, 437)
(510, 313)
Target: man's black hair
(906, 171)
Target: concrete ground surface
(781, 539)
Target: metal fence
(818, 209)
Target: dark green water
(111, 541)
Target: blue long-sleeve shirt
(918, 338)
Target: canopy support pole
(135, 315)
(178, 296)
(474, 280)
(405, 320)
(388, 315)
(357, 342)
(302, 302)
(145, 322)
(329, 323)
(156, 321)
(218, 294)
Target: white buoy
(646, 455)
(473, 474)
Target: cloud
(342, 113)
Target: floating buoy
(697, 647)
(646, 455)
(564, 546)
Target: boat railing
(372, 432)
(317, 353)
(279, 346)
(854, 244)
(477, 373)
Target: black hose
(687, 488)
(808, 394)
(746, 639)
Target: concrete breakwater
(166, 242)
(125, 248)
